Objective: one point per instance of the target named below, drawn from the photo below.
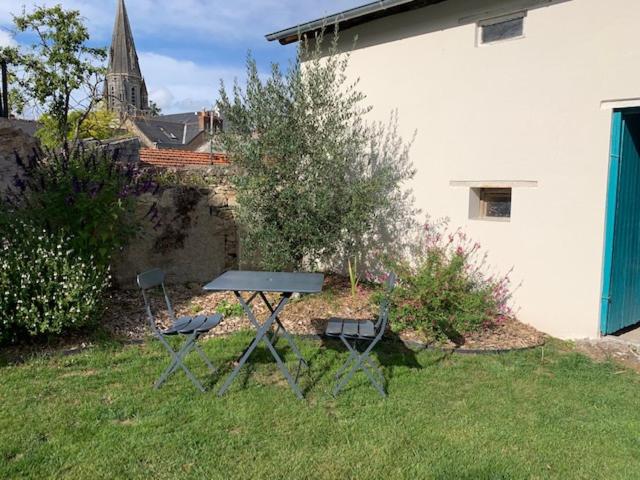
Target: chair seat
(350, 328)
(187, 325)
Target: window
(502, 28)
(495, 202)
(490, 203)
(133, 95)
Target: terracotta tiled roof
(167, 157)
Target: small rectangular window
(495, 203)
(490, 203)
(502, 28)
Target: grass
(519, 415)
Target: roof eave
(348, 18)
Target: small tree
(154, 109)
(59, 73)
(16, 106)
(99, 124)
(315, 181)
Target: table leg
(285, 334)
(252, 320)
(261, 335)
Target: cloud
(222, 21)
(186, 47)
(6, 39)
(182, 85)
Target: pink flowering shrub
(445, 290)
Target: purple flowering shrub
(445, 290)
(59, 227)
(89, 197)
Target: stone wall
(194, 237)
(128, 149)
(15, 138)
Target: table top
(281, 282)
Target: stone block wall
(128, 148)
(15, 138)
(193, 239)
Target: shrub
(317, 183)
(89, 196)
(229, 309)
(445, 291)
(45, 286)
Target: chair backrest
(383, 318)
(154, 279)
(151, 278)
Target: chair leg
(353, 353)
(352, 356)
(177, 358)
(362, 359)
(204, 357)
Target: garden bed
(306, 315)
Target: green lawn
(519, 415)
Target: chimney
(203, 117)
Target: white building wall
(523, 109)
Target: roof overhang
(349, 18)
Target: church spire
(125, 89)
(124, 58)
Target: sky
(186, 47)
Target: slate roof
(180, 158)
(161, 132)
(186, 117)
(175, 130)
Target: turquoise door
(621, 282)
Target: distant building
(184, 131)
(125, 92)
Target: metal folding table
(257, 284)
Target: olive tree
(316, 181)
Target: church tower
(124, 91)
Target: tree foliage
(16, 99)
(316, 182)
(154, 109)
(59, 73)
(99, 124)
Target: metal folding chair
(191, 327)
(355, 333)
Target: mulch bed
(306, 315)
(126, 319)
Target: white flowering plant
(45, 286)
